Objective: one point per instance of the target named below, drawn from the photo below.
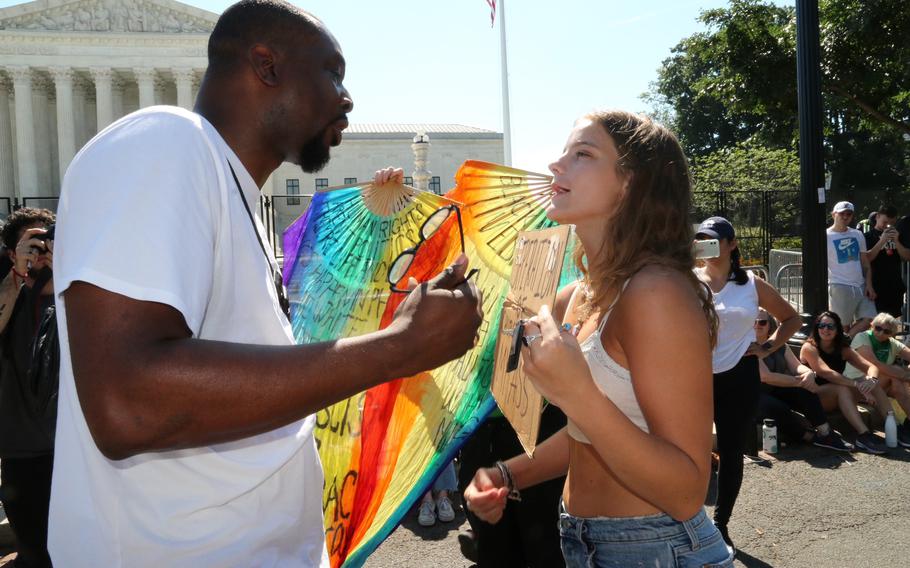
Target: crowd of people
(171, 331)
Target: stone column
(42, 136)
(66, 126)
(146, 79)
(117, 91)
(197, 82)
(184, 78)
(80, 126)
(7, 179)
(25, 130)
(104, 96)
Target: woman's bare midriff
(592, 491)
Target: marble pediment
(115, 16)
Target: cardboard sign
(536, 268)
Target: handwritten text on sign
(536, 267)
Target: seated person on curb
(827, 352)
(879, 347)
(788, 385)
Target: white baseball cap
(843, 206)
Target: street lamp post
(811, 162)
(421, 148)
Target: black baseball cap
(716, 228)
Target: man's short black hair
(22, 218)
(248, 22)
(888, 211)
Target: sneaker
(832, 441)
(444, 510)
(903, 435)
(426, 515)
(871, 443)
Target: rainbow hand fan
(382, 449)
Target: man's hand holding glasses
(439, 319)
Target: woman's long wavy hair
(651, 222)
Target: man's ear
(262, 59)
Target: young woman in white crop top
(638, 453)
(737, 381)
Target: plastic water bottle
(891, 430)
(769, 436)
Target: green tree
(757, 188)
(736, 83)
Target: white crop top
(613, 380)
(737, 308)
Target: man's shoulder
(158, 126)
(160, 134)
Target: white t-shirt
(149, 210)
(844, 248)
(737, 308)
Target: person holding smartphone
(737, 295)
(26, 439)
(885, 253)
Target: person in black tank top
(788, 385)
(827, 352)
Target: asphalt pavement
(805, 507)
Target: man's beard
(315, 153)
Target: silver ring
(529, 339)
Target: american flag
(492, 4)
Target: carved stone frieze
(123, 16)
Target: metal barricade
(760, 271)
(789, 283)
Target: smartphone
(709, 248)
(49, 235)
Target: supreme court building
(68, 68)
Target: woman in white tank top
(737, 296)
(638, 448)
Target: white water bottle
(891, 430)
(769, 436)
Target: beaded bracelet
(506, 473)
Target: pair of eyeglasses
(829, 326)
(403, 261)
(884, 330)
(761, 322)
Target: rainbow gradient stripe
(383, 448)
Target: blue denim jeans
(446, 480)
(655, 541)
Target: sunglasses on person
(884, 330)
(761, 322)
(403, 261)
(829, 326)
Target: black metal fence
(763, 219)
(277, 213)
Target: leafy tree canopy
(736, 83)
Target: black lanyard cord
(276, 276)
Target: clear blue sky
(438, 60)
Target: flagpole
(506, 122)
